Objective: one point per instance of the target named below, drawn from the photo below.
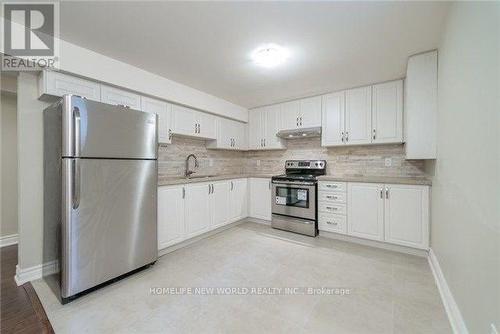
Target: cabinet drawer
(332, 197)
(332, 223)
(333, 186)
(332, 208)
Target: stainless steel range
(294, 200)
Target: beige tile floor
(389, 292)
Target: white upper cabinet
(333, 112)
(304, 113)
(264, 124)
(192, 123)
(290, 113)
(310, 112)
(387, 112)
(365, 210)
(57, 84)
(164, 112)
(116, 96)
(407, 215)
(231, 135)
(421, 106)
(358, 116)
(170, 215)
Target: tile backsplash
(341, 161)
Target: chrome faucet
(187, 172)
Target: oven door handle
(294, 183)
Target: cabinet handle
(331, 197)
(195, 128)
(342, 136)
(297, 121)
(183, 192)
(300, 120)
(374, 134)
(232, 185)
(209, 189)
(346, 136)
(331, 208)
(199, 128)
(381, 193)
(264, 142)
(170, 134)
(332, 223)
(386, 193)
(331, 186)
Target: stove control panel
(305, 164)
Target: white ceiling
(206, 45)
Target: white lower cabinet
(238, 199)
(260, 198)
(197, 209)
(170, 215)
(392, 213)
(219, 199)
(185, 211)
(365, 211)
(406, 215)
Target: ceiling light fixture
(270, 55)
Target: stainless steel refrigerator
(100, 193)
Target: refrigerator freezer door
(109, 220)
(98, 130)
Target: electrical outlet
(211, 162)
(388, 162)
(257, 162)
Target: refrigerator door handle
(77, 122)
(76, 183)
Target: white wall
(8, 222)
(30, 170)
(83, 62)
(465, 233)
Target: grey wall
(465, 234)
(8, 121)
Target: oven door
(296, 199)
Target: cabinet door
(310, 112)
(260, 198)
(224, 133)
(365, 212)
(170, 216)
(207, 125)
(358, 116)
(238, 199)
(183, 120)
(333, 119)
(407, 215)
(271, 127)
(115, 96)
(197, 209)
(59, 84)
(255, 129)
(219, 200)
(290, 112)
(387, 112)
(162, 109)
(240, 136)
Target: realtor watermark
(252, 291)
(30, 35)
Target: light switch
(257, 162)
(388, 162)
(211, 162)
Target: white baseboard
(373, 243)
(454, 315)
(258, 220)
(8, 240)
(35, 272)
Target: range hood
(300, 133)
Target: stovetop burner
(302, 170)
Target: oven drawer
(332, 223)
(332, 186)
(339, 209)
(332, 197)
